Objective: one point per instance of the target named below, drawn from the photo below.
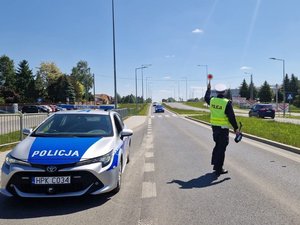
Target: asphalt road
(169, 180)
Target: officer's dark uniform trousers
(221, 139)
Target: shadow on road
(19, 208)
(203, 181)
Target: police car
(71, 153)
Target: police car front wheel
(119, 179)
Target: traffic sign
(283, 107)
(289, 96)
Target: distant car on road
(159, 108)
(72, 153)
(30, 109)
(262, 111)
(34, 109)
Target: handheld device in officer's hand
(239, 136)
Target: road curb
(263, 140)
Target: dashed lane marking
(148, 190)
(149, 167)
(149, 154)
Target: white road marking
(149, 147)
(149, 167)
(148, 190)
(289, 155)
(149, 154)
(146, 222)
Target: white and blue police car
(71, 153)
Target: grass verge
(284, 133)
(139, 109)
(9, 138)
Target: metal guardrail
(11, 125)
(123, 112)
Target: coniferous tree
(7, 80)
(25, 82)
(265, 93)
(293, 87)
(228, 94)
(244, 90)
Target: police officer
(222, 115)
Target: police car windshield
(75, 125)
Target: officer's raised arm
(207, 94)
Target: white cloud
(167, 78)
(246, 68)
(197, 31)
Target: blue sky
(232, 37)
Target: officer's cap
(220, 87)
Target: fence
(11, 125)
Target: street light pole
(185, 78)
(114, 54)
(94, 89)
(147, 87)
(283, 84)
(143, 67)
(206, 68)
(136, 101)
(251, 85)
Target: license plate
(51, 180)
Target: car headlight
(104, 159)
(11, 160)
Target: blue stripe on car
(116, 157)
(54, 151)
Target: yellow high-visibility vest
(217, 112)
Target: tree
(228, 94)
(265, 93)
(128, 99)
(244, 90)
(254, 90)
(81, 75)
(25, 82)
(7, 80)
(48, 74)
(170, 99)
(40, 87)
(62, 90)
(70, 91)
(9, 95)
(293, 87)
(148, 100)
(7, 72)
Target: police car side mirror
(126, 133)
(27, 131)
